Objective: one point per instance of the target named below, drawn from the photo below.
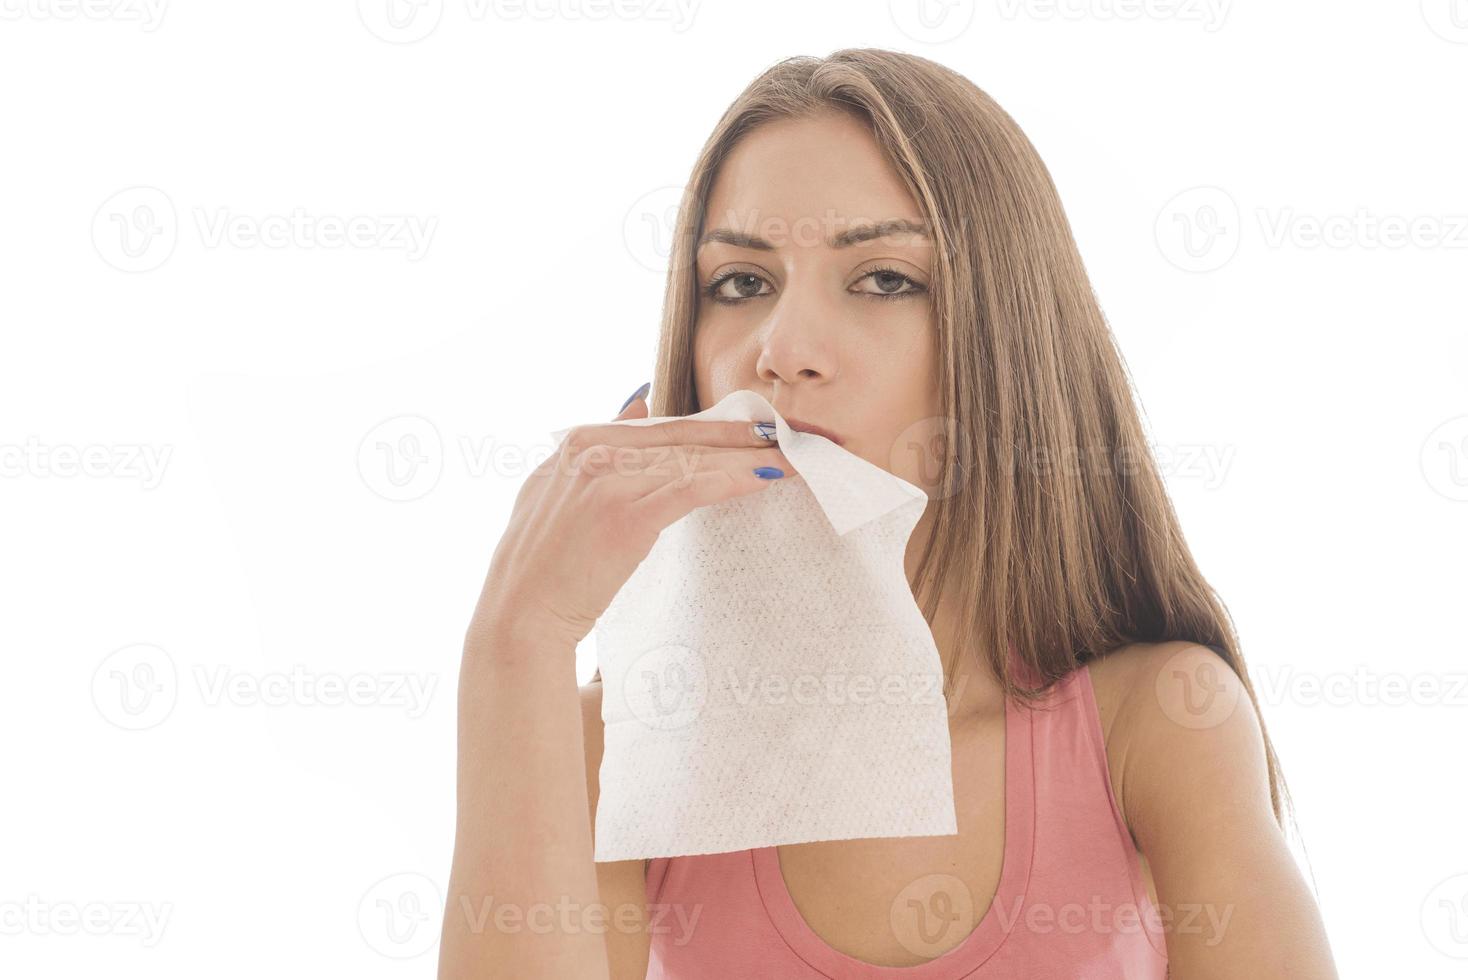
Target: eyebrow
(844, 239)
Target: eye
(889, 283)
(746, 285)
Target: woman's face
(835, 333)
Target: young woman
(872, 244)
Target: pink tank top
(1071, 900)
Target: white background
(237, 472)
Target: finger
(676, 499)
(636, 406)
(639, 470)
(677, 431)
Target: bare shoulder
(1116, 675)
(1171, 712)
(1186, 748)
(1164, 669)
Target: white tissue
(767, 677)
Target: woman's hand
(582, 523)
(586, 517)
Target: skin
(810, 335)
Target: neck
(970, 685)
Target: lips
(802, 426)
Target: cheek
(901, 381)
(720, 365)
(921, 359)
(901, 359)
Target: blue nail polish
(635, 395)
(765, 430)
(768, 472)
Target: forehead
(828, 169)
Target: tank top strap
(1081, 834)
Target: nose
(797, 342)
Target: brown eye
(742, 286)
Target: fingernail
(765, 430)
(769, 472)
(634, 396)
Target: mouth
(816, 430)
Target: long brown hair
(1051, 506)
